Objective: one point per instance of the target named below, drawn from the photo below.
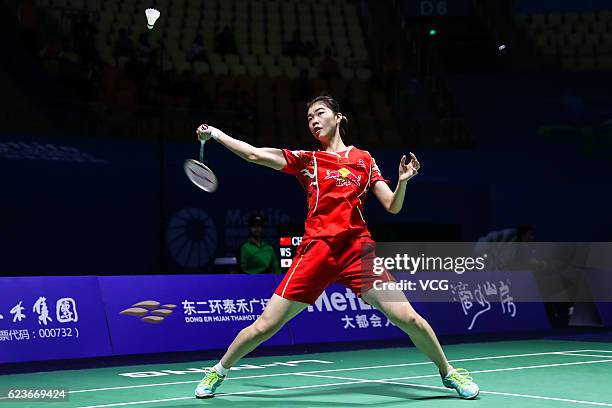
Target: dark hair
(256, 220)
(334, 106)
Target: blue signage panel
(339, 315)
(164, 313)
(461, 304)
(54, 317)
(489, 302)
(597, 281)
(605, 313)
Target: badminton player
(336, 242)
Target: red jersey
(336, 184)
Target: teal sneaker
(460, 380)
(206, 388)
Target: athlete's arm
(265, 156)
(393, 201)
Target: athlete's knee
(263, 327)
(406, 317)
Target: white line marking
(481, 391)
(333, 370)
(325, 371)
(543, 366)
(597, 351)
(386, 380)
(585, 355)
(227, 394)
(481, 371)
(510, 394)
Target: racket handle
(202, 142)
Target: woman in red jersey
(336, 243)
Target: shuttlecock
(152, 16)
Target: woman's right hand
(204, 132)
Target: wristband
(215, 134)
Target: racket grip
(202, 142)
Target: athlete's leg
(299, 283)
(358, 274)
(278, 311)
(304, 281)
(401, 313)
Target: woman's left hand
(407, 171)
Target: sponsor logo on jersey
(343, 176)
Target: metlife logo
(338, 302)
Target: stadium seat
(267, 60)
(588, 17)
(237, 69)
(569, 62)
(255, 70)
(291, 72)
(592, 40)
(571, 18)
(587, 62)
(285, 61)
(605, 62)
(363, 74)
(250, 60)
(347, 73)
(605, 16)
(537, 21)
(273, 71)
(574, 41)
(522, 20)
(554, 18)
(201, 67)
(219, 68)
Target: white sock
(220, 369)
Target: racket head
(201, 175)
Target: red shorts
(321, 262)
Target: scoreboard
(289, 240)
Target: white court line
(597, 351)
(120, 404)
(357, 381)
(481, 391)
(585, 355)
(333, 370)
(495, 370)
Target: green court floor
(538, 373)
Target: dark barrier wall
(549, 144)
(245, 187)
(79, 207)
(93, 207)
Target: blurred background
(506, 104)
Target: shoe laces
(211, 377)
(461, 376)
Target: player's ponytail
(334, 106)
(343, 125)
